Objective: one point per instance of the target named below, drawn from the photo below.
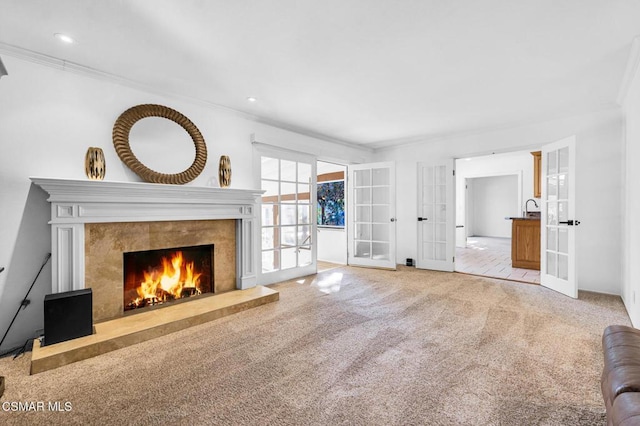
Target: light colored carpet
(351, 346)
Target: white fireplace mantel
(76, 202)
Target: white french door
(436, 216)
(557, 223)
(371, 225)
(287, 222)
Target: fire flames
(176, 279)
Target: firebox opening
(155, 277)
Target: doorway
(331, 214)
(489, 191)
(355, 214)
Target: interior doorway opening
(492, 193)
(331, 214)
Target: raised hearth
(129, 330)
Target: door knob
(420, 219)
(570, 222)
(393, 219)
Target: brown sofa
(620, 380)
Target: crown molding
(388, 145)
(630, 72)
(75, 68)
(312, 134)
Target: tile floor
(491, 257)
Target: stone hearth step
(129, 330)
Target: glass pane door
(558, 220)
(286, 220)
(436, 227)
(372, 222)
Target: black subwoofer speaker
(67, 315)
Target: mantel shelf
(74, 191)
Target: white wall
(494, 199)
(599, 165)
(332, 245)
(631, 111)
(519, 163)
(48, 119)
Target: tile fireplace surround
(92, 222)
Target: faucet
(526, 206)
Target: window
(330, 197)
(331, 203)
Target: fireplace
(94, 222)
(156, 277)
(106, 244)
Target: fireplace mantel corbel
(77, 202)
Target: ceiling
(367, 72)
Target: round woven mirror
(122, 128)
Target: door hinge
(454, 172)
(454, 259)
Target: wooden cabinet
(525, 243)
(537, 169)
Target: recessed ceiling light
(64, 38)
(251, 99)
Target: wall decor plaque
(224, 171)
(94, 163)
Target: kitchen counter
(525, 242)
(522, 218)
